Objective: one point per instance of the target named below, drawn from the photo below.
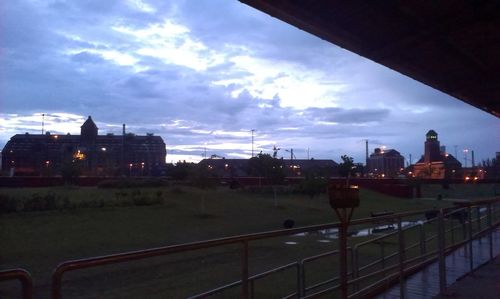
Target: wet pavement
(483, 283)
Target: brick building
(436, 164)
(385, 163)
(47, 154)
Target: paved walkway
(482, 283)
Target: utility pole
(252, 141)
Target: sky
(204, 73)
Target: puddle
(326, 235)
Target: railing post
(382, 253)
(301, 292)
(23, 276)
(56, 284)
(478, 215)
(441, 252)
(423, 242)
(471, 257)
(355, 265)
(244, 271)
(452, 230)
(490, 235)
(402, 248)
(252, 289)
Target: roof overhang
(452, 46)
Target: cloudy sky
(203, 73)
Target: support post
(343, 258)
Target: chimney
(366, 157)
(123, 133)
(473, 162)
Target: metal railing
(366, 276)
(22, 276)
(243, 241)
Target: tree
(182, 170)
(204, 179)
(263, 165)
(346, 167)
(270, 168)
(313, 185)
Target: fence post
(441, 252)
(402, 248)
(244, 271)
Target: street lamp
(130, 169)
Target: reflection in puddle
(326, 235)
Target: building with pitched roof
(47, 154)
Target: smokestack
(366, 157)
(473, 163)
(123, 133)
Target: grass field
(38, 241)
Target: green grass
(38, 241)
(461, 191)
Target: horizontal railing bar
(315, 257)
(239, 282)
(331, 289)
